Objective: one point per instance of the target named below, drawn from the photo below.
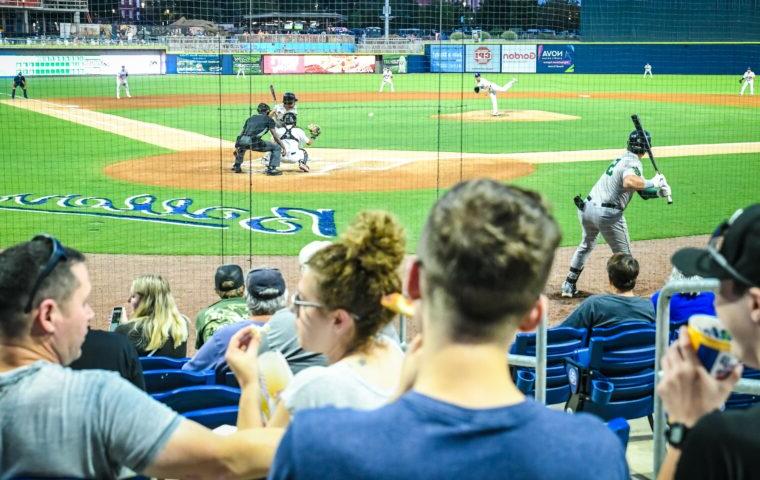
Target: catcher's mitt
(477, 89)
(314, 130)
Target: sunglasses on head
(57, 255)
(713, 247)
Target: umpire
(19, 81)
(250, 139)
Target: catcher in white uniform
(295, 139)
(288, 105)
(387, 79)
(748, 79)
(121, 81)
(481, 84)
(602, 210)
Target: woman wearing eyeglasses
(339, 314)
(156, 327)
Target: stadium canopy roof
(295, 15)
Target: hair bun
(376, 240)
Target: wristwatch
(676, 433)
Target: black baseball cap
(265, 283)
(740, 250)
(228, 277)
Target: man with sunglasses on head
(704, 442)
(97, 422)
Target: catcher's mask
(263, 109)
(289, 118)
(289, 99)
(637, 143)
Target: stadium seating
(157, 381)
(614, 376)
(214, 417)
(743, 400)
(162, 363)
(561, 342)
(200, 397)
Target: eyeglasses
(57, 255)
(713, 247)
(296, 303)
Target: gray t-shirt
(59, 422)
(281, 336)
(609, 310)
(335, 386)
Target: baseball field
(149, 175)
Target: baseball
(370, 114)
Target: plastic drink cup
(274, 376)
(712, 342)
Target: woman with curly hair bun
(339, 314)
(156, 327)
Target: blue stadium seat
(162, 363)
(231, 380)
(214, 417)
(614, 376)
(604, 332)
(561, 342)
(199, 397)
(621, 428)
(157, 381)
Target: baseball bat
(271, 90)
(640, 129)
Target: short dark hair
(488, 248)
(19, 267)
(623, 270)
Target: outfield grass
(45, 156)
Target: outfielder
(250, 139)
(121, 81)
(387, 79)
(748, 79)
(295, 140)
(19, 81)
(647, 70)
(602, 211)
(288, 105)
(492, 88)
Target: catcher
(19, 81)
(295, 139)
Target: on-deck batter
(602, 210)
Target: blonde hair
(157, 316)
(355, 272)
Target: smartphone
(116, 315)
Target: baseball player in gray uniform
(602, 210)
(288, 105)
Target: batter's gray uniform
(603, 213)
(279, 112)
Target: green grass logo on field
(176, 211)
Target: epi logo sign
(482, 55)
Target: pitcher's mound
(509, 116)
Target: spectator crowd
(73, 401)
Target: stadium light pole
(387, 15)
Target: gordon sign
(518, 58)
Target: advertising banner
(319, 64)
(283, 63)
(446, 59)
(339, 64)
(103, 64)
(518, 58)
(199, 64)
(250, 63)
(483, 58)
(555, 59)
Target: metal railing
(538, 362)
(744, 385)
(392, 45)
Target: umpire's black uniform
(19, 81)
(250, 139)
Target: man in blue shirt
(621, 305)
(477, 281)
